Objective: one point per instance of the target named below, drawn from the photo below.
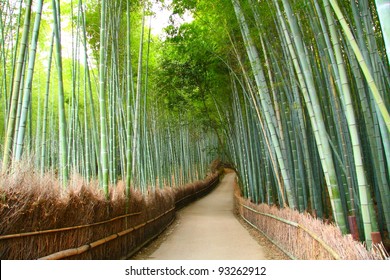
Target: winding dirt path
(207, 229)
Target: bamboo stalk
(102, 101)
(28, 82)
(63, 153)
(362, 63)
(383, 8)
(15, 90)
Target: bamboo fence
(119, 237)
(301, 236)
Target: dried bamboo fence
(300, 236)
(111, 236)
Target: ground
(208, 229)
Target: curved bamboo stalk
(316, 117)
(364, 192)
(263, 93)
(362, 63)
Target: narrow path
(208, 229)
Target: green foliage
(192, 71)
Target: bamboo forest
(111, 121)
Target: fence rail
(301, 236)
(85, 248)
(17, 235)
(116, 238)
(295, 225)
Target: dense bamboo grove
(312, 103)
(295, 94)
(74, 100)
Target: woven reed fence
(45, 227)
(301, 236)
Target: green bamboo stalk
(15, 89)
(87, 141)
(311, 99)
(129, 92)
(383, 9)
(148, 166)
(369, 49)
(271, 153)
(95, 137)
(4, 84)
(135, 140)
(19, 110)
(362, 63)
(263, 92)
(63, 153)
(364, 192)
(28, 82)
(373, 134)
(73, 116)
(14, 56)
(102, 101)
